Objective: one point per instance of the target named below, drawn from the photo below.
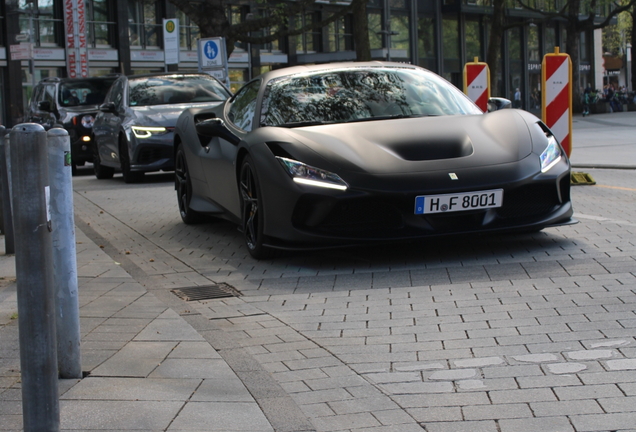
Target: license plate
(458, 202)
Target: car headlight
(551, 155)
(308, 175)
(148, 131)
(88, 121)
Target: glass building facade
(125, 36)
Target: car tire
(252, 214)
(183, 186)
(101, 172)
(124, 159)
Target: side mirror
(44, 106)
(215, 127)
(497, 103)
(108, 107)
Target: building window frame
(144, 24)
(100, 23)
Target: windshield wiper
(387, 117)
(303, 123)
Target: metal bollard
(7, 218)
(3, 169)
(64, 254)
(34, 272)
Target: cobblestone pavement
(533, 332)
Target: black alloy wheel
(101, 172)
(252, 215)
(124, 159)
(183, 186)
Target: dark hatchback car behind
(72, 103)
(135, 126)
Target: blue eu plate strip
(419, 204)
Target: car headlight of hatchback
(148, 131)
(304, 174)
(551, 155)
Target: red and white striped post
(556, 100)
(477, 83)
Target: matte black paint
(387, 163)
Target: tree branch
(241, 31)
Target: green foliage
(616, 36)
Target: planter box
(600, 108)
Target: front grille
(363, 216)
(456, 222)
(350, 217)
(149, 155)
(529, 200)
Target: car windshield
(175, 89)
(84, 92)
(360, 94)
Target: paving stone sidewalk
(148, 369)
(533, 332)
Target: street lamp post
(628, 65)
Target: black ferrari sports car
(346, 154)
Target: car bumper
(82, 149)
(380, 211)
(81, 143)
(154, 154)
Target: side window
(36, 97)
(49, 94)
(242, 109)
(116, 94)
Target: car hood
(67, 113)
(416, 144)
(160, 115)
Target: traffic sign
(211, 53)
(556, 100)
(477, 83)
(171, 40)
(213, 58)
(23, 51)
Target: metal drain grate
(206, 292)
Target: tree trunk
(633, 49)
(210, 16)
(361, 30)
(572, 44)
(494, 42)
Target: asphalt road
(604, 140)
(533, 332)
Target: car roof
(167, 74)
(293, 70)
(64, 80)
